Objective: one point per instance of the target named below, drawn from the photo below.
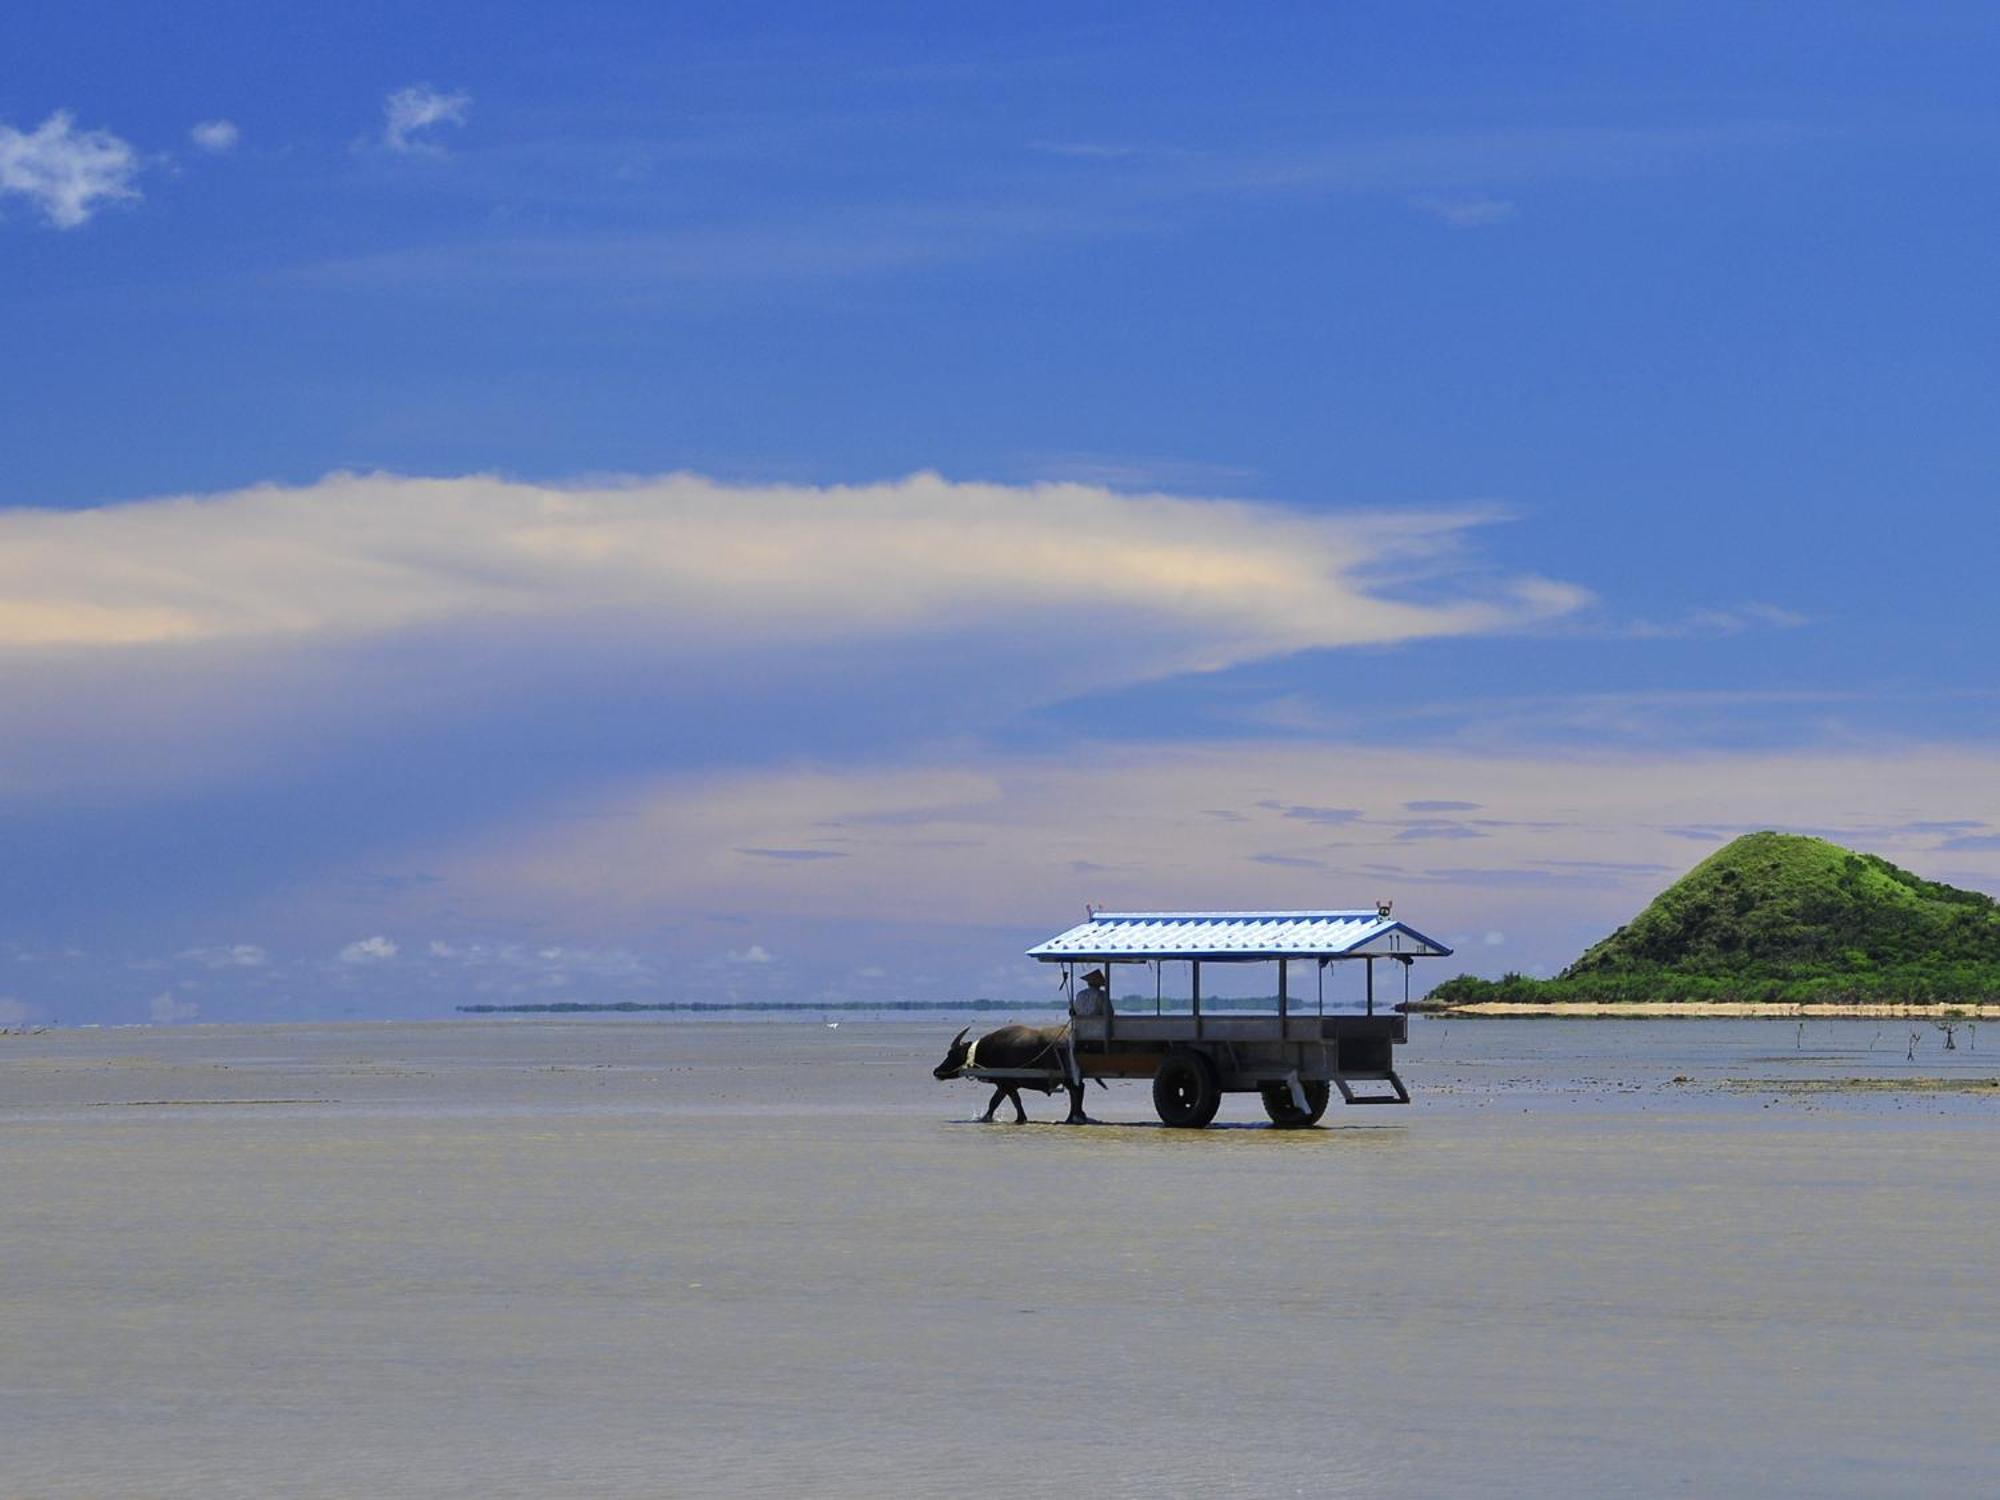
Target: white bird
(833, 1025)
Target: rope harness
(1057, 1055)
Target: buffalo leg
(1020, 1114)
(1076, 1114)
(994, 1103)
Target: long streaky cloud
(1010, 837)
(1176, 583)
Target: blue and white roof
(1242, 935)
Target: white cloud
(1466, 213)
(236, 956)
(368, 950)
(167, 1007)
(1130, 585)
(1733, 620)
(604, 964)
(1086, 150)
(13, 1012)
(1136, 473)
(754, 954)
(216, 137)
(418, 108)
(65, 172)
(1494, 939)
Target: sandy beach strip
(1658, 1010)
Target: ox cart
(1295, 1055)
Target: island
(1773, 924)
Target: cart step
(1342, 1081)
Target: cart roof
(1240, 935)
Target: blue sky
(790, 502)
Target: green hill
(1781, 917)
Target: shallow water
(648, 1258)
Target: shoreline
(1976, 1010)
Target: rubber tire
(1284, 1112)
(1185, 1091)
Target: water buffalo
(1016, 1047)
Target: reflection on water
(641, 1258)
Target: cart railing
(1236, 1027)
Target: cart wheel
(1185, 1091)
(1285, 1113)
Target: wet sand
(618, 1258)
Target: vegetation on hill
(1778, 917)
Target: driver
(1094, 999)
